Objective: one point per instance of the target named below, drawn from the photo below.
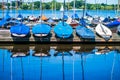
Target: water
(71, 62)
(49, 13)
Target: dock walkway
(5, 36)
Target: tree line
(56, 5)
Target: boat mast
(16, 8)
(84, 7)
(106, 8)
(74, 6)
(3, 7)
(41, 10)
(63, 12)
(32, 6)
(118, 8)
(52, 7)
(68, 8)
(55, 8)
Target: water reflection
(59, 62)
(41, 50)
(20, 50)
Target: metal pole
(84, 8)
(74, 6)
(3, 7)
(63, 12)
(41, 10)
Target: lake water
(50, 13)
(65, 62)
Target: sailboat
(72, 20)
(6, 18)
(20, 16)
(61, 9)
(32, 17)
(62, 29)
(55, 18)
(41, 30)
(103, 31)
(19, 30)
(83, 32)
(75, 15)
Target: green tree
(37, 5)
(25, 6)
(0, 6)
(13, 3)
(47, 6)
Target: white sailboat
(103, 31)
(61, 9)
(32, 17)
(55, 18)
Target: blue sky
(88, 1)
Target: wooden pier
(5, 36)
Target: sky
(88, 1)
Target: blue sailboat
(114, 23)
(19, 17)
(20, 30)
(5, 20)
(88, 15)
(51, 22)
(84, 32)
(75, 16)
(63, 30)
(65, 17)
(41, 30)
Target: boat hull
(103, 31)
(63, 30)
(85, 33)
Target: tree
(0, 6)
(37, 5)
(47, 6)
(13, 3)
(25, 6)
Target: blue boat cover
(114, 23)
(85, 33)
(82, 22)
(63, 31)
(20, 16)
(41, 29)
(88, 15)
(107, 19)
(75, 16)
(65, 17)
(20, 29)
(5, 19)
